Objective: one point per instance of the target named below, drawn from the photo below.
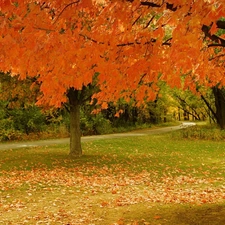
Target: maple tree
(120, 47)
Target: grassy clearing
(140, 180)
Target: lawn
(157, 180)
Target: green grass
(157, 179)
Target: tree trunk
(219, 95)
(75, 134)
(211, 113)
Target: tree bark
(75, 134)
(219, 95)
(209, 107)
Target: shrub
(7, 131)
(10, 135)
(102, 125)
(6, 124)
(201, 133)
(27, 120)
(94, 124)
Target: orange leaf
(103, 204)
(104, 105)
(213, 29)
(157, 217)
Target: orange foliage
(64, 43)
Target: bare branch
(65, 9)
(149, 22)
(171, 7)
(44, 29)
(217, 45)
(150, 4)
(154, 5)
(141, 79)
(167, 42)
(136, 19)
(209, 106)
(126, 44)
(219, 42)
(91, 39)
(216, 57)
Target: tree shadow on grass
(202, 215)
(213, 214)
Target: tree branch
(167, 42)
(149, 22)
(197, 117)
(217, 56)
(209, 106)
(136, 19)
(66, 105)
(154, 5)
(127, 44)
(65, 9)
(219, 41)
(150, 4)
(141, 79)
(45, 29)
(220, 24)
(91, 39)
(209, 114)
(170, 6)
(217, 45)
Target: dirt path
(136, 133)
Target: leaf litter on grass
(106, 187)
(74, 196)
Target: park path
(16, 145)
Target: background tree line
(20, 118)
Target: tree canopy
(64, 43)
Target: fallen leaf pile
(74, 196)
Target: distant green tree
(17, 101)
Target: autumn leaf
(213, 29)
(157, 217)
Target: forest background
(21, 119)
